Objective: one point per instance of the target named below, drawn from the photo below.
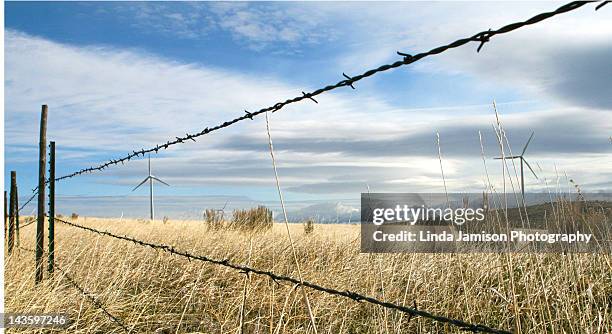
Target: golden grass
(154, 292)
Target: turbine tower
(522, 158)
(150, 178)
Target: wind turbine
(150, 178)
(522, 158)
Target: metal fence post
(40, 223)
(16, 212)
(51, 263)
(11, 227)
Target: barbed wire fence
(481, 38)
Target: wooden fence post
(51, 263)
(5, 215)
(40, 223)
(11, 227)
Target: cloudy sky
(119, 76)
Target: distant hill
(327, 213)
(540, 214)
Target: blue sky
(119, 76)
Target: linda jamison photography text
(475, 222)
(513, 236)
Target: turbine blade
(141, 183)
(531, 169)
(156, 179)
(528, 141)
(508, 158)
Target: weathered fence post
(51, 263)
(5, 215)
(11, 227)
(40, 223)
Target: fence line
(86, 294)
(277, 277)
(481, 38)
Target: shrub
(255, 219)
(74, 216)
(213, 219)
(308, 226)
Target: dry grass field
(154, 292)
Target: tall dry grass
(154, 292)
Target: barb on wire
(307, 95)
(481, 38)
(603, 3)
(277, 277)
(349, 80)
(484, 38)
(86, 294)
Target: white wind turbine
(150, 178)
(522, 159)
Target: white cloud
(275, 23)
(257, 26)
(104, 102)
(97, 95)
(564, 59)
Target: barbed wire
(33, 221)
(481, 38)
(277, 277)
(92, 299)
(35, 190)
(27, 224)
(86, 294)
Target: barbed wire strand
(32, 222)
(35, 192)
(481, 38)
(277, 277)
(93, 300)
(27, 224)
